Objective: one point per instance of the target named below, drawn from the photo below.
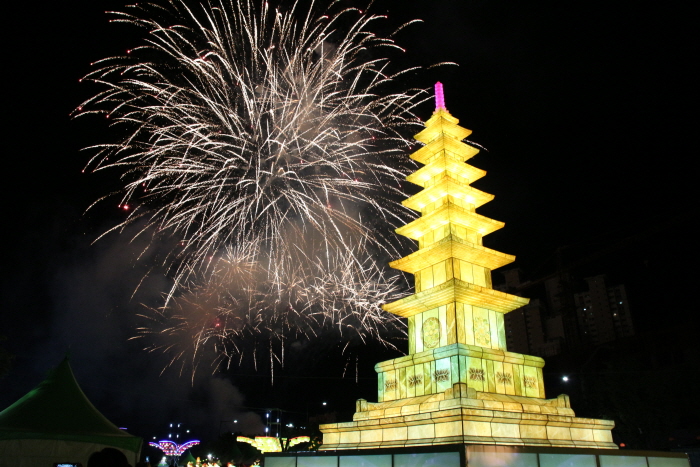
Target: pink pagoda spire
(439, 97)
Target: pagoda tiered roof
(449, 213)
(449, 228)
(452, 247)
(444, 143)
(445, 162)
(442, 123)
(447, 185)
(455, 290)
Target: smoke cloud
(97, 297)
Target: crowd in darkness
(111, 457)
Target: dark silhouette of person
(108, 457)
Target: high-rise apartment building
(603, 312)
(565, 320)
(524, 329)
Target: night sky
(584, 107)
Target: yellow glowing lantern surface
(272, 443)
(458, 382)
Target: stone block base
(463, 415)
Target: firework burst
(266, 142)
(240, 302)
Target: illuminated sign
(171, 448)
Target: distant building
(562, 311)
(557, 294)
(524, 326)
(603, 312)
(529, 320)
(554, 332)
(565, 320)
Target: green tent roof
(186, 457)
(58, 409)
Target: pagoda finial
(439, 97)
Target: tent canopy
(57, 409)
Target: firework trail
(216, 321)
(266, 142)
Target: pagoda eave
(422, 176)
(449, 214)
(441, 143)
(441, 114)
(455, 290)
(452, 247)
(445, 185)
(439, 124)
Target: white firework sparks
(262, 137)
(240, 303)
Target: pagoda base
(463, 415)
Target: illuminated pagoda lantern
(458, 383)
(273, 444)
